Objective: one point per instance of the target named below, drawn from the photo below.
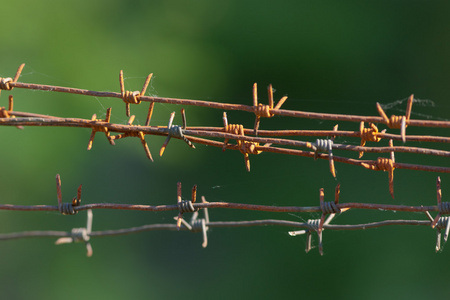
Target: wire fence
(247, 141)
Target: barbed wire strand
(202, 224)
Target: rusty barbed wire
(248, 141)
(197, 224)
(9, 84)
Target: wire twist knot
(131, 97)
(368, 135)
(66, 208)
(249, 148)
(325, 145)
(313, 224)
(4, 113)
(176, 131)
(318, 224)
(244, 147)
(133, 133)
(4, 83)
(80, 235)
(395, 122)
(442, 223)
(198, 225)
(329, 208)
(444, 208)
(263, 111)
(384, 164)
(398, 122)
(235, 129)
(186, 206)
(100, 128)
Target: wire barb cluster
(247, 141)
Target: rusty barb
(264, 111)
(67, 208)
(399, 122)
(328, 211)
(243, 146)
(133, 97)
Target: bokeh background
(327, 56)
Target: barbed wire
(247, 141)
(197, 224)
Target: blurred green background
(327, 56)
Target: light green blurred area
(327, 56)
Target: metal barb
(325, 145)
(98, 128)
(132, 97)
(80, 235)
(264, 111)
(328, 208)
(67, 208)
(444, 207)
(368, 134)
(185, 205)
(198, 224)
(398, 121)
(6, 83)
(176, 131)
(139, 134)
